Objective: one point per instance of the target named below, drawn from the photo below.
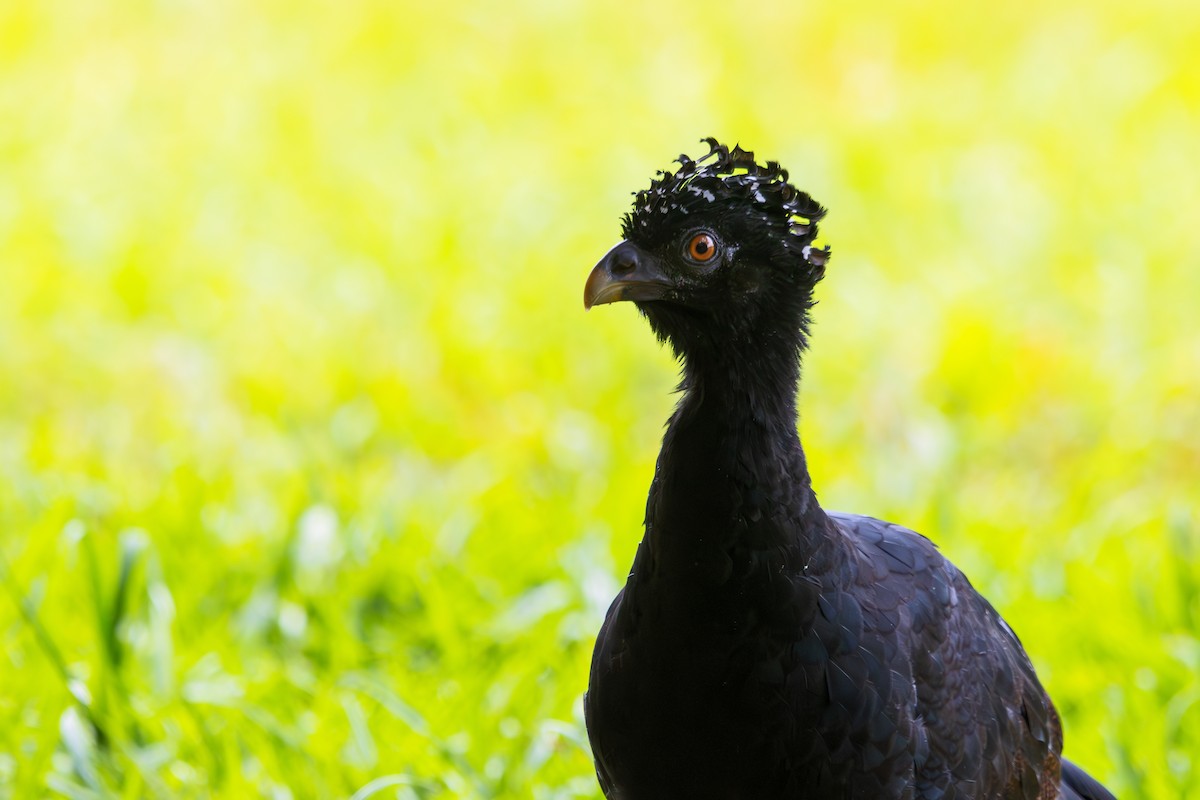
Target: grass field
(315, 478)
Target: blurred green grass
(315, 478)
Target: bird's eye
(702, 247)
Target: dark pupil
(702, 245)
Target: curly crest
(729, 175)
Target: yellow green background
(315, 477)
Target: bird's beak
(625, 273)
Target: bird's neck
(732, 474)
(749, 383)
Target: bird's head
(718, 252)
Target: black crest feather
(729, 175)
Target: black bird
(763, 647)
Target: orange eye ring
(702, 248)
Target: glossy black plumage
(763, 647)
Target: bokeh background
(315, 478)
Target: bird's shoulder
(978, 697)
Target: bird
(763, 647)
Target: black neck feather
(732, 474)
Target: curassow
(763, 647)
